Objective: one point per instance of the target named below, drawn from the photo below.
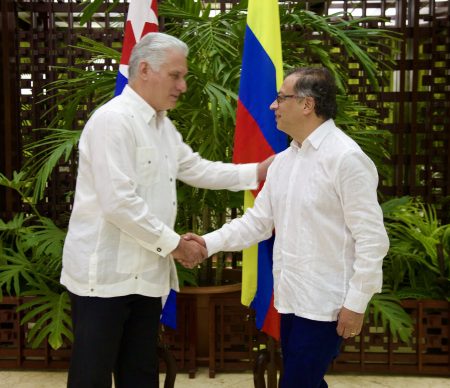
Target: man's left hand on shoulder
(263, 167)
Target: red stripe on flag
(129, 40)
(272, 322)
(250, 145)
(154, 7)
(149, 27)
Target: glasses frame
(283, 97)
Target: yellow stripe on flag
(264, 20)
(249, 262)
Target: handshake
(191, 250)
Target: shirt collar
(147, 112)
(295, 145)
(316, 137)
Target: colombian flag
(256, 138)
(142, 18)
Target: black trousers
(114, 336)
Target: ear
(145, 70)
(309, 105)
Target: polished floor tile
(57, 379)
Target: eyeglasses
(283, 97)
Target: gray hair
(319, 83)
(153, 48)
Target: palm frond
(415, 234)
(47, 153)
(13, 226)
(352, 37)
(393, 205)
(19, 183)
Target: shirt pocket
(147, 166)
(132, 258)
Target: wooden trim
(9, 145)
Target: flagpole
(272, 365)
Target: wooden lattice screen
(41, 32)
(415, 108)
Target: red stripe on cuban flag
(142, 18)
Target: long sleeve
(357, 182)
(206, 174)
(254, 226)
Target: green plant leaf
(47, 153)
(17, 271)
(91, 7)
(48, 316)
(47, 238)
(14, 225)
(387, 308)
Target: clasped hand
(191, 250)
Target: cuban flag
(142, 18)
(256, 138)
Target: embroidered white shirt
(330, 239)
(121, 228)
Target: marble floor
(57, 379)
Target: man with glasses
(321, 197)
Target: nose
(182, 85)
(274, 105)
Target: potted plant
(416, 276)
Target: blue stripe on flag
(121, 82)
(264, 290)
(169, 311)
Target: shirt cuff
(213, 242)
(248, 176)
(357, 301)
(166, 243)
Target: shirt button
(158, 249)
(149, 162)
(92, 289)
(171, 179)
(173, 203)
(135, 277)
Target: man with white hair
(119, 250)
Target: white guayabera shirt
(330, 239)
(121, 229)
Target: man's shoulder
(117, 106)
(347, 153)
(282, 155)
(341, 142)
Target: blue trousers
(308, 348)
(114, 335)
